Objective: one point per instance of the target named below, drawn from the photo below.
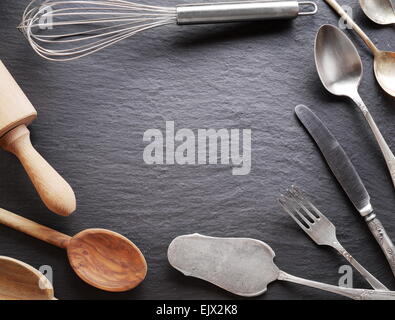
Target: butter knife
(348, 177)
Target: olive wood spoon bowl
(102, 258)
(19, 281)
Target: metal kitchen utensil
(244, 267)
(379, 11)
(67, 30)
(19, 281)
(348, 178)
(320, 229)
(102, 258)
(384, 61)
(340, 69)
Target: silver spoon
(379, 11)
(340, 69)
(384, 61)
(245, 267)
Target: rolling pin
(16, 113)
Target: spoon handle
(335, 6)
(356, 294)
(388, 155)
(385, 149)
(34, 229)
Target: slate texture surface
(93, 114)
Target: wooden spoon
(19, 281)
(102, 258)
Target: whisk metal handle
(207, 13)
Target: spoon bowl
(19, 281)
(384, 69)
(102, 258)
(379, 11)
(106, 260)
(340, 69)
(338, 63)
(384, 61)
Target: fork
(320, 229)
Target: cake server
(245, 267)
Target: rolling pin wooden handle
(34, 229)
(54, 191)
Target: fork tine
(285, 203)
(304, 203)
(300, 194)
(298, 207)
(318, 212)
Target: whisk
(70, 29)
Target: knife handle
(384, 241)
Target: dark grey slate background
(93, 113)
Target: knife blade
(347, 176)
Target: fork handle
(356, 294)
(383, 240)
(376, 284)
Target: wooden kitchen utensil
(16, 112)
(19, 281)
(102, 258)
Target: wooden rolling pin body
(16, 112)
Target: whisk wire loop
(87, 26)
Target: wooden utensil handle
(54, 191)
(34, 229)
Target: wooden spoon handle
(54, 191)
(34, 229)
(336, 6)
